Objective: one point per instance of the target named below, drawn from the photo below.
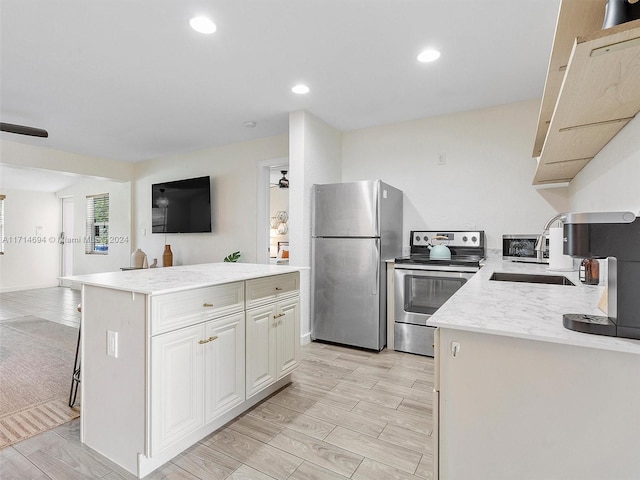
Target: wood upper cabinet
(592, 89)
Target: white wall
(18, 154)
(485, 182)
(120, 247)
(611, 181)
(315, 156)
(32, 253)
(233, 172)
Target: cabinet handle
(207, 304)
(279, 289)
(279, 315)
(210, 339)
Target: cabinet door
(261, 347)
(287, 336)
(177, 393)
(224, 365)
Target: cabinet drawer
(176, 310)
(269, 289)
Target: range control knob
(417, 238)
(474, 239)
(464, 239)
(425, 238)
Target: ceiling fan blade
(23, 130)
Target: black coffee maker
(616, 237)
(620, 11)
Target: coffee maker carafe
(616, 237)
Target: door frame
(64, 235)
(263, 202)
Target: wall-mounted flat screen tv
(181, 206)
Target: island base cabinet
(197, 374)
(113, 416)
(287, 336)
(224, 365)
(517, 408)
(184, 365)
(272, 343)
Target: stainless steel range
(423, 284)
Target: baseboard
(27, 287)
(305, 339)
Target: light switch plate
(112, 344)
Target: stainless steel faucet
(543, 236)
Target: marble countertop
(526, 310)
(158, 281)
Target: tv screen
(182, 206)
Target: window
(2, 197)
(97, 239)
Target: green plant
(232, 257)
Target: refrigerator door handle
(376, 260)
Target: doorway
(271, 230)
(279, 215)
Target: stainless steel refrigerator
(356, 227)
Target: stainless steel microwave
(522, 248)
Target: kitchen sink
(530, 278)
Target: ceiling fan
(23, 130)
(283, 182)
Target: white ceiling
(129, 80)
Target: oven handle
(421, 268)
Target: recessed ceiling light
(250, 124)
(202, 25)
(300, 89)
(428, 55)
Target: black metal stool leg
(75, 379)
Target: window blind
(97, 233)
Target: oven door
(419, 293)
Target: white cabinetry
(224, 365)
(177, 405)
(512, 408)
(183, 361)
(197, 374)
(272, 330)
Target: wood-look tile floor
(347, 414)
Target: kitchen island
(169, 355)
(519, 396)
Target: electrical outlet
(112, 344)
